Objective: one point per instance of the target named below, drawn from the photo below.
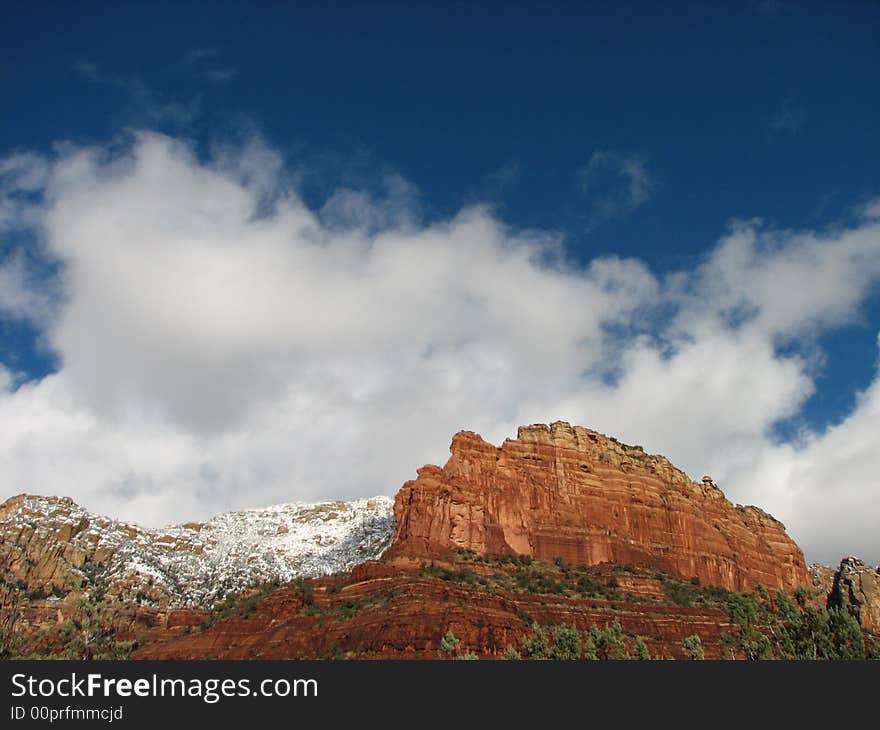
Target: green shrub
(609, 642)
(449, 644)
(641, 650)
(693, 647)
(566, 643)
(537, 646)
(511, 654)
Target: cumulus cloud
(394, 205)
(871, 210)
(825, 484)
(784, 284)
(23, 175)
(618, 184)
(222, 345)
(21, 296)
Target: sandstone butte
(634, 524)
(555, 492)
(568, 492)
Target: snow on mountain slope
(57, 547)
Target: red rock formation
(387, 613)
(555, 492)
(569, 492)
(856, 588)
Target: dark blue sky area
(732, 110)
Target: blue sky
(620, 144)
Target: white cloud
(396, 206)
(785, 284)
(145, 102)
(21, 297)
(22, 176)
(23, 172)
(826, 486)
(618, 184)
(871, 210)
(222, 346)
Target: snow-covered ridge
(59, 544)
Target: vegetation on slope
(763, 626)
(766, 627)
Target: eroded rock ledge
(568, 492)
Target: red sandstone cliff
(383, 612)
(569, 492)
(622, 522)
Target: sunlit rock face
(563, 491)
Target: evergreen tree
(609, 642)
(537, 646)
(693, 647)
(449, 644)
(566, 643)
(641, 650)
(89, 632)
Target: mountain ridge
(570, 492)
(54, 540)
(561, 526)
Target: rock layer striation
(568, 492)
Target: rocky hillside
(54, 548)
(856, 587)
(569, 492)
(398, 608)
(563, 529)
(395, 610)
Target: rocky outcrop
(857, 589)
(387, 611)
(823, 580)
(561, 526)
(567, 492)
(54, 549)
